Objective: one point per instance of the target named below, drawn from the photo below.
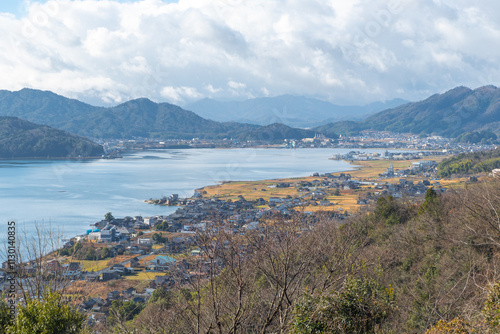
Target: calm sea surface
(71, 195)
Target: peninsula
(23, 139)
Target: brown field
(146, 259)
(143, 276)
(371, 169)
(83, 289)
(94, 265)
(89, 265)
(250, 190)
(364, 170)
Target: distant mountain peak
(457, 91)
(32, 91)
(141, 99)
(457, 111)
(488, 87)
(138, 101)
(136, 118)
(289, 109)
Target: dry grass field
(83, 289)
(88, 265)
(364, 171)
(143, 276)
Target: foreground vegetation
(405, 267)
(48, 316)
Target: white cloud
(236, 85)
(179, 94)
(348, 52)
(137, 64)
(211, 89)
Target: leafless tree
(250, 282)
(32, 249)
(481, 204)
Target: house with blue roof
(161, 262)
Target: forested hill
(145, 118)
(45, 107)
(451, 114)
(23, 139)
(135, 118)
(470, 163)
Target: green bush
(357, 308)
(50, 315)
(491, 310)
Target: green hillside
(456, 112)
(470, 163)
(23, 139)
(135, 118)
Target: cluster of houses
(198, 211)
(434, 145)
(405, 187)
(121, 228)
(98, 308)
(363, 156)
(427, 168)
(71, 270)
(98, 304)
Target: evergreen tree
(50, 315)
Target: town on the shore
(127, 258)
(366, 139)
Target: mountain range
(451, 114)
(291, 110)
(135, 118)
(23, 139)
(454, 113)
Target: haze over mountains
(450, 114)
(297, 111)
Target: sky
(347, 52)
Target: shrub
(358, 308)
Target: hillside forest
(470, 163)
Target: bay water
(70, 195)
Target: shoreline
(368, 169)
(343, 202)
(285, 179)
(365, 173)
(54, 158)
(346, 199)
(360, 170)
